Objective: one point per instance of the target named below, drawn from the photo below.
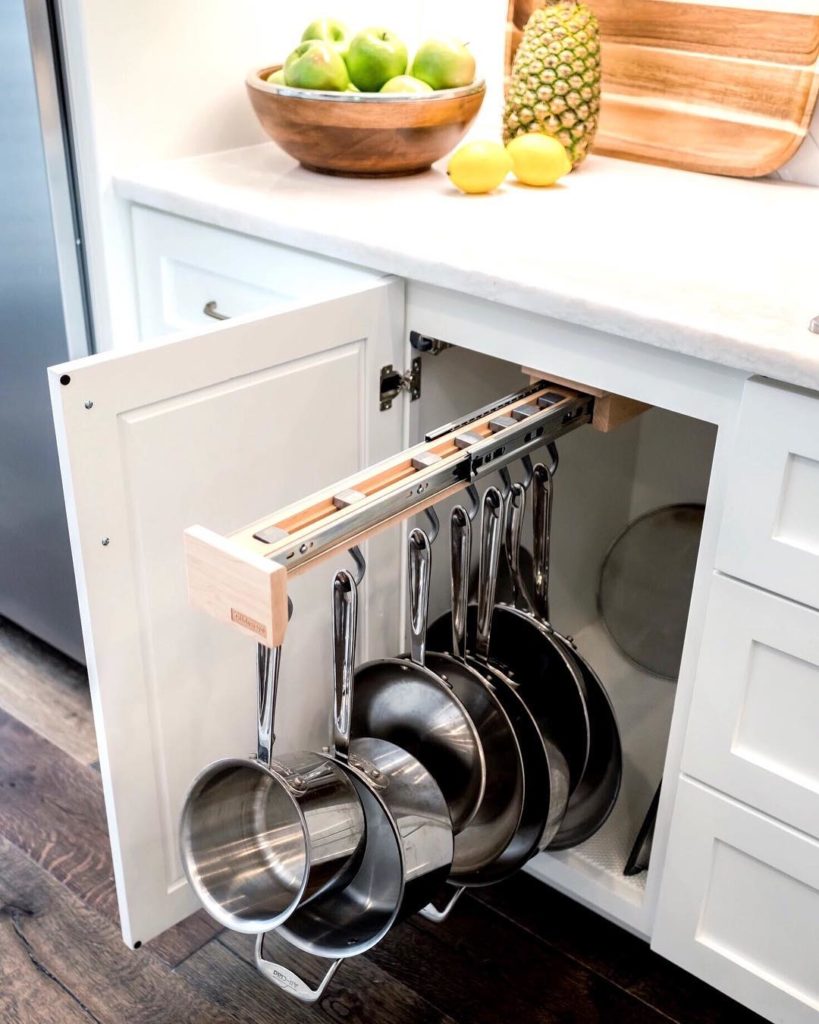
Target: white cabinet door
(770, 529)
(739, 905)
(752, 728)
(216, 429)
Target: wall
(804, 165)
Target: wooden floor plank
(360, 993)
(52, 808)
(610, 951)
(484, 969)
(83, 954)
(29, 994)
(46, 691)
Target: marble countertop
(717, 268)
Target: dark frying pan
(547, 677)
(594, 799)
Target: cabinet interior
(603, 483)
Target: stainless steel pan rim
(291, 834)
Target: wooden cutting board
(725, 90)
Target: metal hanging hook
(360, 564)
(474, 502)
(551, 448)
(434, 523)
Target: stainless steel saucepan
(260, 836)
(408, 846)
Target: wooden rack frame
(241, 579)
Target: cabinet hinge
(424, 343)
(393, 382)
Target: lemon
(479, 166)
(538, 159)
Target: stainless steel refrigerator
(44, 319)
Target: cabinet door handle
(209, 309)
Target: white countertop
(718, 268)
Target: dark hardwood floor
(518, 952)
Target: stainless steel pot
(260, 836)
(408, 847)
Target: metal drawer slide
(242, 578)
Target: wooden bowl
(368, 135)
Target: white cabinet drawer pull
(209, 309)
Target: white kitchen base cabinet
(221, 427)
(740, 905)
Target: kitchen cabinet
(222, 426)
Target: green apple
(352, 88)
(329, 31)
(316, 65)
(444, 64)
(406, 84)
(277, 77)
(374, 56)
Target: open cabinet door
(214, 429)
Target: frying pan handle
(419, 562)
(491, 529)
(515, 507)
(283, 978)
(345, 618)
(432, 913)
(460, 542)
(268, 662)
(542, 527)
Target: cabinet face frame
(158, 669)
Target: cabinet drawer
(770, 531)
(182, 266)
(739, 905)
(755, 710)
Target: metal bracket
(424, 343)
(392, 383)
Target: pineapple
(555, 82)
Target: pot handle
(268, 662)
(491, 527)
(516, 506)
(345, 619)
(419, 563)
(432, 913)
(283, 978)
(542, 527)
(460, 543)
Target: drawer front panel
(770, 532)
(754, 718)
(183, 266)
(739, 905)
